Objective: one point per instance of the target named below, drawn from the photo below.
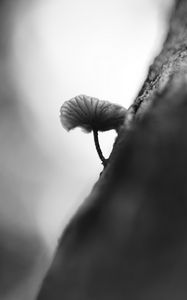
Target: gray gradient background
(53, 50)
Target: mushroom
(92, 114)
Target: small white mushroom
(92, 114)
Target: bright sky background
(62, 48)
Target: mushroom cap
(90, 113)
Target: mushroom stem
(97, 146)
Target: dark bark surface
(129, 239)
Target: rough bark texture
(129, 239)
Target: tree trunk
(129, 238)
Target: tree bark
(129, 238)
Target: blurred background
(51, 51)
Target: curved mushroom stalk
(92, 114)
(97, 146)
